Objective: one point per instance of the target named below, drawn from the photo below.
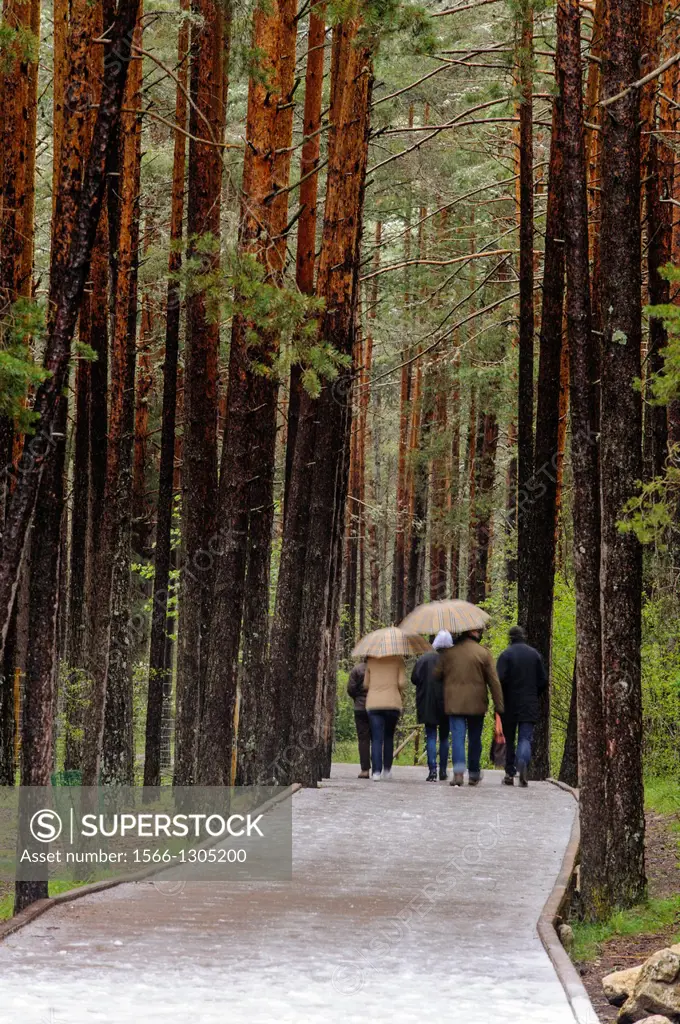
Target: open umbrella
(456, 616)
(386, 643)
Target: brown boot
(458, 779)
(364, 775)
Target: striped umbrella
(388, 643)
(456, 616)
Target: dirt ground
(663, 872)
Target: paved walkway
(410, 902)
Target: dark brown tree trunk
(108, 719)
(540, 504)
(306, 239)
(584, 447)
(455, 489)
(658, 172)
(80, 501)
(525, 389)
(159, 668)
(37, 720)
(422, 413)
(569, 766)
(199, 470)
(250, 427)
(40, 448)
(438, 559)
(481, 518)
(621, 467)
(314, 525)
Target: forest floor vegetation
(630, 937)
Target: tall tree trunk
(159, 670)
(250, 425)
(621, 416)
(585, 463)
(525, 389)
(455, 490)
(199, 473)
(141, 506)
(569, 765)
(481, 518)
(108, 723)
(541, 504)
(658, 174)
(313, 530)
(263, 407)
(419, 434)
(306, 239)
(40, 449)
(371, 482)
(37, 720)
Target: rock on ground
(619, 985)
(656, 991)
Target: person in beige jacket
(469, 673)
(384, 682)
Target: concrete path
(410, 902)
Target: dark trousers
(431, 739)
(383, 725)
(518, 739)
(472, 725)
(364, 737)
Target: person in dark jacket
(522, 675)
(355, 690)
(430, 706)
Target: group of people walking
(453, 683)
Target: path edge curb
(579, 1000)
(40, 907)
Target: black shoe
(443, 775)
(509, 780)
(432, 777)
(474, 782)
(523, 779)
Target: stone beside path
(410, 901)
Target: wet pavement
(410, 901)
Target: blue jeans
(383, 725)
(472, 725)
(519, 756)
(431, 739)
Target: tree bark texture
(199, 462)
(621, 465)
(40, 448)
(525, 388)
(541, 503)
(314, 524)
(585, 462)
(158, 668)
(250, 426)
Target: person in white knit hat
(430, 706)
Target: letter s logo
(46, 826)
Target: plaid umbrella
(456, 616)
(386, 643)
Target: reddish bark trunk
(305, 618)
(39, 449)
(250, 428)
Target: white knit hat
(442, 640)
